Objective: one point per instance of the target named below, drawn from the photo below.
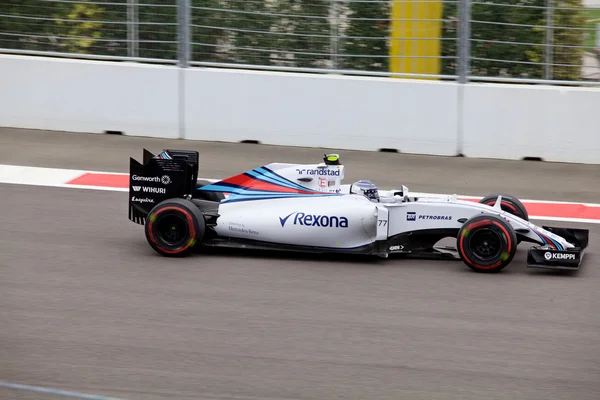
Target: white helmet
(366, 188)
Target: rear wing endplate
(170, 174)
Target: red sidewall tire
(508, 203)
(190, 227)
(496, 228)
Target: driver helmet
(366, 188)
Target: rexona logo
(323, 221)
(165, 179)
(559, 256)
(319, 171)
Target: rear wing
(170, 174)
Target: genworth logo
(165, 179)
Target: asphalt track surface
(85, 305)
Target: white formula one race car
(305, 207)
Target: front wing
(568, 259)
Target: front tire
(174, 227)
(508, 203)
(487, 243)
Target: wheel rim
(172, 230)
(486, 244)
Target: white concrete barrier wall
(322, 111)
(88, 96)
(517, 121)
(422, 117)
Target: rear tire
(487, 243)
(174, 227)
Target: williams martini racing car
(305, 207)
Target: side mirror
(404, 191)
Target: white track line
(55, 392)
(18, 174)
(561, 219)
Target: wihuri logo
(323, 221)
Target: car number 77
(382, 222)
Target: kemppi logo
(558, 256)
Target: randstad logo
(319, 171)
(323, 221)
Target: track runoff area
(547, 210)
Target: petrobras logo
(412, 216)
(319, 172)
(165, 179)
(322, 221)
(141, 200)
(558, 256)
(436, 217)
